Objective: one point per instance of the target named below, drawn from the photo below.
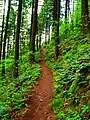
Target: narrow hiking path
(38, 106)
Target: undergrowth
(71, 99)
(12, 91)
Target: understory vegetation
(13, 90)
(71, 99)
(62, 29)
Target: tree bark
(8, 48)
(2, 31)
(40, 41)
(56, 26)
(84, 14)
(31, 21)
(37, 42)
(34, 26)
(5, 37)
(66, 10)
(16, 61)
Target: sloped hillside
(71, 99)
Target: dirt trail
(38, 108)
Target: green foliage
(9, 62)
(71, 73)
(73, 116)
(12, 91)
(72, 29)
(45, 16)
(37, 56)
(32, 57)
(85, 109)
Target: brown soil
(38, 105)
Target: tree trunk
(46, 28)
(49, 35)
(37, 42)
(66, 10)
(56, 26)
(16, 62)
(31, 21)
(46, 31)
(40, 41)
(14, 33)
(34, 26)
(5, 37)
(84, 16)
(8, 48)
(72, 21)
(68, 5)
(37, 39)
(2, 32)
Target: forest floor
(38, 105)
